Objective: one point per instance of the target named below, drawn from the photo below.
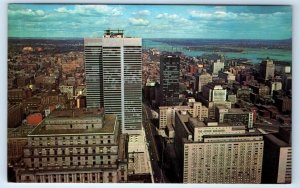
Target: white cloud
(26, 12)
(219, 14)
(138, 21)
(91, 10)
(142, 13)
(167, 16)
(174, 18)
(61, 10)
(223, 15)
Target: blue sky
(150, 21)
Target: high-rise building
(214, 93)
(267, 69)
(209, 152)
(217, 66)
(277, 163)
(114, 77)
(203, 79)
(71, 146)
(169, 79)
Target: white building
(167, 113)
(217, 153)
(114, 77)
(217, 66)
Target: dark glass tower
(169, 79)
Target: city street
(154, 155)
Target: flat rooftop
(276, 140)
(76, 114)
(109, 126)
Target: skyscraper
(169, 79)
(267, 69)
(217, 66)
(114, 77)
(203, 79)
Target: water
(253, 53)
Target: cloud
(219, 14)
(173, 18)
(26, 12)
(142, 13)
(138, 21)
(167, 16)
(89, 10)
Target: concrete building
(113, 68)
(217, 66)
(169, 79)
(212, 96)
(167, 113)
(277, 165)
(82, 145)
(227, 76)
(267, 69)
(203, 79)
(275, 86)
(234, 115)
(214, 93)
(209, 152)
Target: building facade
(167, 113)
(114, 77)
(74, 146)
(203, 79)
(267, 69)
(217, 153)
(277, 166)
(169, 79)
(217, 66)
(234, 115)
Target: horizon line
(143, 38)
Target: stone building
(71, 146)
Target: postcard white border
(296, 90)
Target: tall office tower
(169, 79)
(203, 79)
(71, 146)
(93, 72)
(217, 66)
(209, 152)
(277, 163)
(114, 77)
(267, 69)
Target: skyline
(150, 21)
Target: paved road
(153, 152)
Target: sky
(150, 21)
